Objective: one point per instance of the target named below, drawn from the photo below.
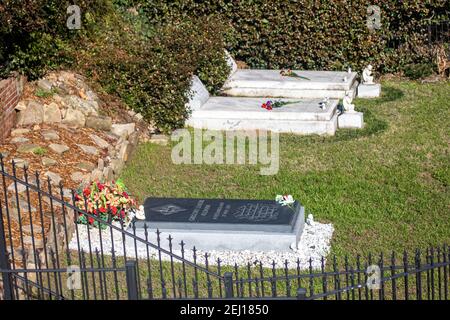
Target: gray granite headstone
(225, 224)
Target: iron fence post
(228, 282)
(301, 294)
(4, 262)
(132, 283)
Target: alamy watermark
(374, 277)
(74, 20)
(373, 17)
(73, 278)
(254, 147)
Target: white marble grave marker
(199, 94)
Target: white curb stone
(314, 244)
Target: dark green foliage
(42, 53)
(34, 35)
(308, 34)
(419, 70)
(150, 67)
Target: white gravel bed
(314, 244)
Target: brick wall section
(10, 93)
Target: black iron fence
(432, 34)
(439, 32)
(44, 254)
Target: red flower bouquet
(108, 201)
(269, 104)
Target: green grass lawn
(384, 188)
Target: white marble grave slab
(301, 117)
(269, 83)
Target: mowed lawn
(384, 188)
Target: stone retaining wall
(70, 104)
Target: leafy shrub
(314, 34)
(419, 70)
(150, 68)
(34, 35)
(43, 53)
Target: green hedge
(34, 35)
(151, 70)
(314, 34)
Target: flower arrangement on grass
(290, 73)
(108, 201)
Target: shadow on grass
(373, 125)
(389, 94)
(443, 176)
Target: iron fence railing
(439, 32)
(431, 34)
(45, 254)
